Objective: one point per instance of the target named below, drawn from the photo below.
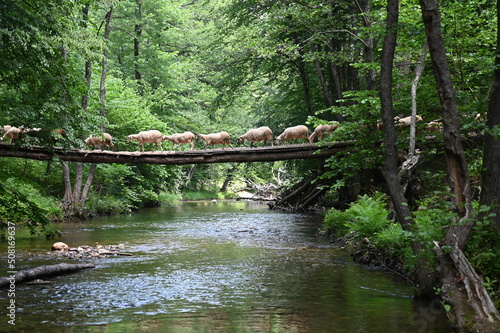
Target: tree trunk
(88, 63)
(41, 272)
(137, 42)
(414, 85)
(305, 84)
(455, 157)
(102, 85)
(425, 276)
(324, 85)
(229, 177)
(490, 177)
(365, 9)
(88, 183)
(471, 309)
(77, 189)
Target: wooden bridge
(238, 154)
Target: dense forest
(86, 67)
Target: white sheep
(263, 133)
(12, 133)
(399, 122)
(152, 136)
(221, 138)
(105, 140)
(406, 121)
(186, 137)
(296, 132)
(319, 131)
(4, 129)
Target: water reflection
(225, 267)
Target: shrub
(17, 208)
(393, 239)
(168, 198)
(365, 217)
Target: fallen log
(40, 272)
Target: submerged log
(42, 271)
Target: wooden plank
(238, 154)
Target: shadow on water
(215, 267)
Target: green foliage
(18, 207)
(393, 240)
(483, 251)
(432, 218)
(106, 205)
(364, 218)
(204, 195)
(169, 198)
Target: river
(214, 267)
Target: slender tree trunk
(324, 85)
(102, 85)
(414, 85)
(229, 177)
(365, 8)
(305, 84)
(425, 276)
(88, 63)
(67, 184)
(88, 183)
(137, 42)
(490, 178)
(77, 189)
(190, 175)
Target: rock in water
(60, 246)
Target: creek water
(214, 267)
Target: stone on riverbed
(60, 246)
(85, 251)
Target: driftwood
(42, 271)
(303, 195)
(462, 290)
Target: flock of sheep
(261, 134)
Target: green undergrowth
(371, 236)
(206, 195)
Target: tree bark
(490, 177)
(365, 8)
(88, 63)
(414, 85)
(457, 165)
(425, 276)
(102, 85)
(229, 177)
(41, 272)
(137, 42)
(88, 183)
(327, 96)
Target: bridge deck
(238, 154)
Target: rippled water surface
(215, 267)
